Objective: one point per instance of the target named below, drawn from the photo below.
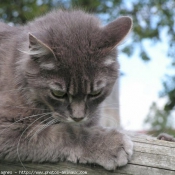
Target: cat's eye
(58, 94)
(95, 93)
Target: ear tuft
(37, 47)
(41, 53)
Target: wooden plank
(151, 157)
(143, 170)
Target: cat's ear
(113, 33)
(41, 52)
(37, 47)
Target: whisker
(21, 137)
(37, 125)
(44, 127)
(23, 107)
(110, 118)
(14, 90)
(24, 119)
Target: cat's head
(70, 65)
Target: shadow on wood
(151, 157)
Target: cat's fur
(61, 51)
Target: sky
(141, 84)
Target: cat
(55, 72)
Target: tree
(19, 12)
(149, 17)
(160, 120)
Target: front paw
(118, 156)
(112, 152)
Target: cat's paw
(113, 151)
(119, 156)
(166, 137)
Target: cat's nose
(77, 119)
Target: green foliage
(160, 120)
(169, 93)
(144, 56)
(128, 50)
(21, 11)
(89, 5)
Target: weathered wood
(151, 157)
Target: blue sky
(142, 83)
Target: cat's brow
(100, 84)
(56, 86)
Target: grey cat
(54, 74)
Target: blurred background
(147, 56)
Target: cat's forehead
(73, 36)
(75, 46)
